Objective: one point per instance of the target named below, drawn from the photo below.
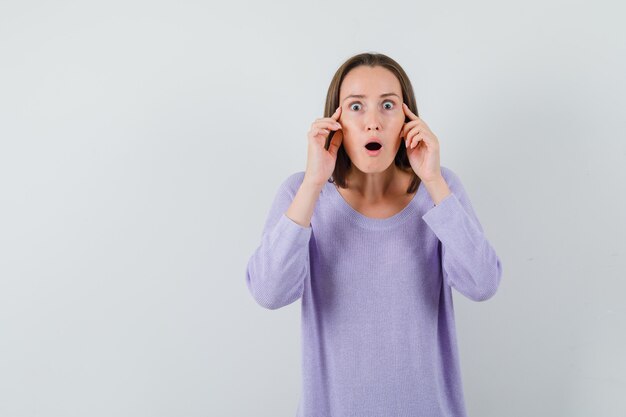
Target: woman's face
(376, 113)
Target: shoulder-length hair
(343, 162)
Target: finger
(336, 115)
(421, 137)
(321, 132)
(408, 126)
(412, 135)
(416, 140)
(333, 116)
(410, 130)
(409, 142)
(331, 124)
(335, 142)
(408, 112)
(412, 143)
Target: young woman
(372, 237)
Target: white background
(142, 143)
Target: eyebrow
(362, 96)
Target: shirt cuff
(290, 231)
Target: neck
(377, 186)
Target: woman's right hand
(321, 162)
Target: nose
(373, 123)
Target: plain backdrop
(142, 143)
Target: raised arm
(279, 266)
(469, 262)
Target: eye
(354, 104)
(389, 101)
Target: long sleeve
(469, 262)
(278, 267)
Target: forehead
(370, 82)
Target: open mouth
(373, 146)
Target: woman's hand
(321, 162)
(422, 147)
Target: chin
(373, 166)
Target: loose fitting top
(377, 318)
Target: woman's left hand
(422, 147)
